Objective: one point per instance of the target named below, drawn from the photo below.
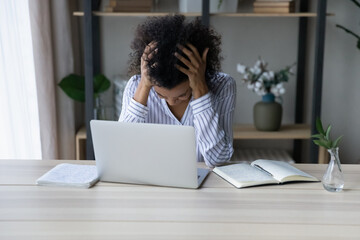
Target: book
(273, 9)
(273, 4)
(70, 175)
(261, 172)
(274, 0)
(128, 6)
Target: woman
(178, 82)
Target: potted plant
(74, 86)
(270, 85)
(333, 179)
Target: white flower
(257, 70)
(267, 76)
(258, 84)
(282, 91)
(274, 91)
(272, 75)
(250, 86)
(241, 68)
(258, 76)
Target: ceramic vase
(267, 114)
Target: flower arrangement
(263, 81)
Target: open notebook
(262, 172)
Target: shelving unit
(198, 14)
(297, 131)
(293, 131)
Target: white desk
(216, 211)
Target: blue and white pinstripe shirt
(211, 116)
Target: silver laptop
(142, 153)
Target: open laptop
(143, 153)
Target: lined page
(244, 175)
(281, 170)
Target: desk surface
(216, 211)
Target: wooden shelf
(198, 14)
(293, 131)
(248, 131)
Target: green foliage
(74, 86)
(348, 30)
(323, 137)
(219, 4)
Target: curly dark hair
(168, 31)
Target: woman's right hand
(142, 91)
(149, 52)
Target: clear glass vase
(333, 179)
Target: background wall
(275, 40)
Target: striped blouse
(211, 115)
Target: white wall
(341, 82)
(275, 40)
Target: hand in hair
(196, 68)
(142, 91)
(148, 54)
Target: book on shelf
(273, 10)
(274, 1)
(273, 4)
(261, 172)
(127, 5)
(70, 175)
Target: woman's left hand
(196, 69)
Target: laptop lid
(143, 153)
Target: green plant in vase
(333, 179)
(74, 86)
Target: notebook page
(279, 169)
(243, 174)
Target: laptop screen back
(144, 153)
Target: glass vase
(333, 179)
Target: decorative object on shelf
(74, 86)
(273, 6)
(333, 179)
(216, 6)
(357, 3)
(127, 5)
(267, 114)
(269, 85)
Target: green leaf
(101, 84)
(320, 143)
(327, 134)
(336, 142)
(358, 44)
(74, 86)
(316, 136)
(319, 126)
